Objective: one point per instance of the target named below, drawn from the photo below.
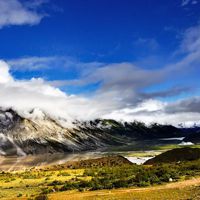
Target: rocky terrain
(20, 136)
(36, 132)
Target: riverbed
(137, 152)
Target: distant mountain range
(21, 135)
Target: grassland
(106, 178)
(111, 177)
(185, 190)
(31, 183)
(151, 151)
(172, 146)
(154, 146)
(152, 193)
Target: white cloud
(32, 63)
(4, 73)
(51, 62)
(119, 96)
(23, 96)
(194, 2)
(14, 12)
(186, 2)
(191, 41)
(188, 119)
(150, 43)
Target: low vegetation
(151, 193)
(176, 155)
(111, 172)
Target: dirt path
(170, 189)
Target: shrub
(41, 197)
(55, 182)
(63, 174)
(47, 190)
(19, 195)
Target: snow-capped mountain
(35, 132)
(39, 133)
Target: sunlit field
(103, 179)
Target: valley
(105, 177)
(101, 159)
(99, 100)
(36, 132)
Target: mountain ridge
(20, 135)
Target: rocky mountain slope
(21, 135)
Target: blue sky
(148, 48)
(142, 32)
(101, 30)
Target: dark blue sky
(146, 33)
(102, 30)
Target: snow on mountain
(35, 132)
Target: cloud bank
(118, 98)
(122, 90)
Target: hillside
(75, 180)
(107, 161)
(176, 155)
